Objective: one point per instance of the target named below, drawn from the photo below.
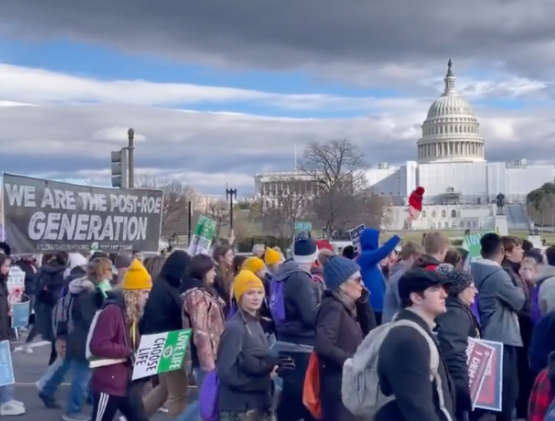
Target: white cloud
(67, 136)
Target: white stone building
(451, 163)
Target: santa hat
(415, 198)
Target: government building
(461, 186)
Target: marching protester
(273, 259)
(344, 319)
(545, 283)
(245, 365)
(392, 303)
(223, 256)
(294, 306)
(49, 284)
(499, 302)
(73, 316)
(542, 395)
(203, 313)
(115, 337)
(369, 261)
(258, 250)
(8, 405)
(349, 252)
(162, 313)
(454, 327)
(407, 353)
(238, 263)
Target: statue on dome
(500, 203)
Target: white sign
(16, 284)
(355, 237)
(160, 353)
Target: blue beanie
(337, 270)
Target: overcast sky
(219, 91)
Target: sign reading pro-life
(45, 215)
(161, 352)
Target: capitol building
(461, 186)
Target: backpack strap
(434, 364)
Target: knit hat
(337, 270)
(304, 249)
(244, 281)
(136, 278)
(416, 197)
(324, 244)
(254, 264)
(458, 280)
(271, 257)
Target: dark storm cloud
(324, 35)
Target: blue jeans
(6, 394)
(192, 412)
(81, 375)
(49, 373)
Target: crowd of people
(408, 312)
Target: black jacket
(300, 295)
(88, 299)
(163, 309)
(5, 323)
(50, 281)
(453, 330)
(340, 328)
(244, 366)
(404, 371)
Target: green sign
(203, 236)
(472, 243)
(161, 352)
(303, 226)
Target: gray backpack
(360, 388)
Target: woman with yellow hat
(115, 339)
(245, 364)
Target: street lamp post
(230, 194)
(131, 150)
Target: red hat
(415, 198)
(324, 244)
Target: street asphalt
(28, 370)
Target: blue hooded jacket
(369, 260)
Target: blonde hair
(133, 308)
(97, 268)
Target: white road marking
(33, 345)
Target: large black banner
(48, 216)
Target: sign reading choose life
(44, 215)
(160, 353)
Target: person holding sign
(113, 344)
(8, 406)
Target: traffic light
(119, 169)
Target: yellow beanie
(254, 264)
(271, 257)
(245, 281)
(136, 277)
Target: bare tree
(176, 198)
(218, 210)
(338, 169)
(289, 204)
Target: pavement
(29, 368)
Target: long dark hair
(3, 258)
(199, 267)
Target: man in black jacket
(405, 356)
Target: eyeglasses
(357, 280)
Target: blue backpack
(277, 301)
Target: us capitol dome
(450, 132)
